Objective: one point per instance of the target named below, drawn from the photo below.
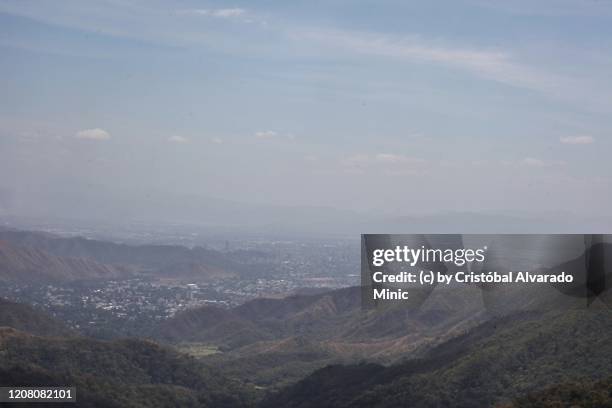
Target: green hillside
(584, 394)
(126, 373)
(26, 318)
(273, 342)
(492, 363)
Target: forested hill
(27, 319)
(497, 361)
(273, 342)
(581, 393)
(125, 373)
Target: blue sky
(392, 106)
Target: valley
(270, 325)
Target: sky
(378, 106)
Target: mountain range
(30, 265)
(313, 349)
(275, 341)
(100, 207)
(491, 364)
(525, 359)
(35, 256)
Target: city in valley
(132, 305)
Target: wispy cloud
(549, 8)
(391, 158)
(218, 13)
(390, 163)
(216, 140)
(163, 24)
(273, 135)
(500, 65)
(496, 65)
(93, 134)
(266, 134)
(577, 140)
(178, 139)
(534, 162)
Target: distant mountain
(27, 319)
(159, 260)
(151, 256)
(126, 373)
(275, 341)
(494, 362)
(29, 265)
(102, 206)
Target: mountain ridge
(31, 265)
(493, 362)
